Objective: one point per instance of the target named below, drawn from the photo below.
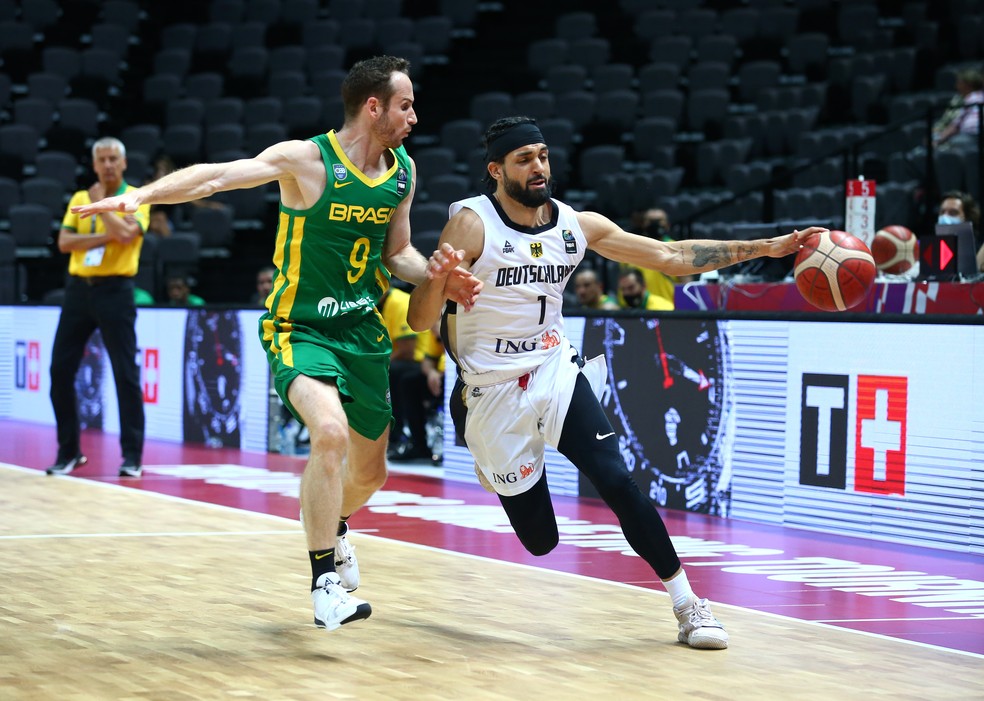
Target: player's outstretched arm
(682, 257)
(203, 180)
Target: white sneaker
(333, 606)
(346, 565)
(699, 628)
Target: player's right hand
(120, 203)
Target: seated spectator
(961, 132)
(179, 286)
(160, 223)
(264, 284)
(655, 223)
(634, 295)
(590, 294)
(957, 207)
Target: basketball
(895, 249)
(834, 270)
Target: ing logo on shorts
(525, 470)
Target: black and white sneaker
(130, 468)
(333, 606)
(65, 467)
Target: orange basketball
(834, 271)
(895, 249)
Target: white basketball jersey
(516, 322)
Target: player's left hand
(460, 286)
(443, 261)
(791, 243)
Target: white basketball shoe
(333, 606)
(699, 628)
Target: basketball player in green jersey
(343, 227)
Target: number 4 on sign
(859, 218)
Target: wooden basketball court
(109, 592)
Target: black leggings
(531, 513)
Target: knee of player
(328, 434)
(614, 479)
(369, 476)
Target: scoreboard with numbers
(859, 218)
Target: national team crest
(340, 172)
(570, 245)
(536, 249)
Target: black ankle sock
(342, 526)
(321, 561)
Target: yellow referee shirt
(114, 258)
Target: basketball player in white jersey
(521, 384)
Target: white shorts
(508, 424)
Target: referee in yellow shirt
(105, 253)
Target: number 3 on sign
(859, 218)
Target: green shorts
(356, 359)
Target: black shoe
(130, 468)
(65, 467)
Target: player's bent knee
(612, 480)
(369, 477)
(328, 435)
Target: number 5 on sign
(859, 218)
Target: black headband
(511, 139)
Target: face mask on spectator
(948, 219)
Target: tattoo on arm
(723, 254)
(717, 255)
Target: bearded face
(532, 192)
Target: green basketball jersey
(328, 257)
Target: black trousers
(531, 513)
(105, 304)
(404, 406)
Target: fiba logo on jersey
(570, 244)
(328, 306)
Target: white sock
(679, 590)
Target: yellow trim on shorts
(278, 336)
